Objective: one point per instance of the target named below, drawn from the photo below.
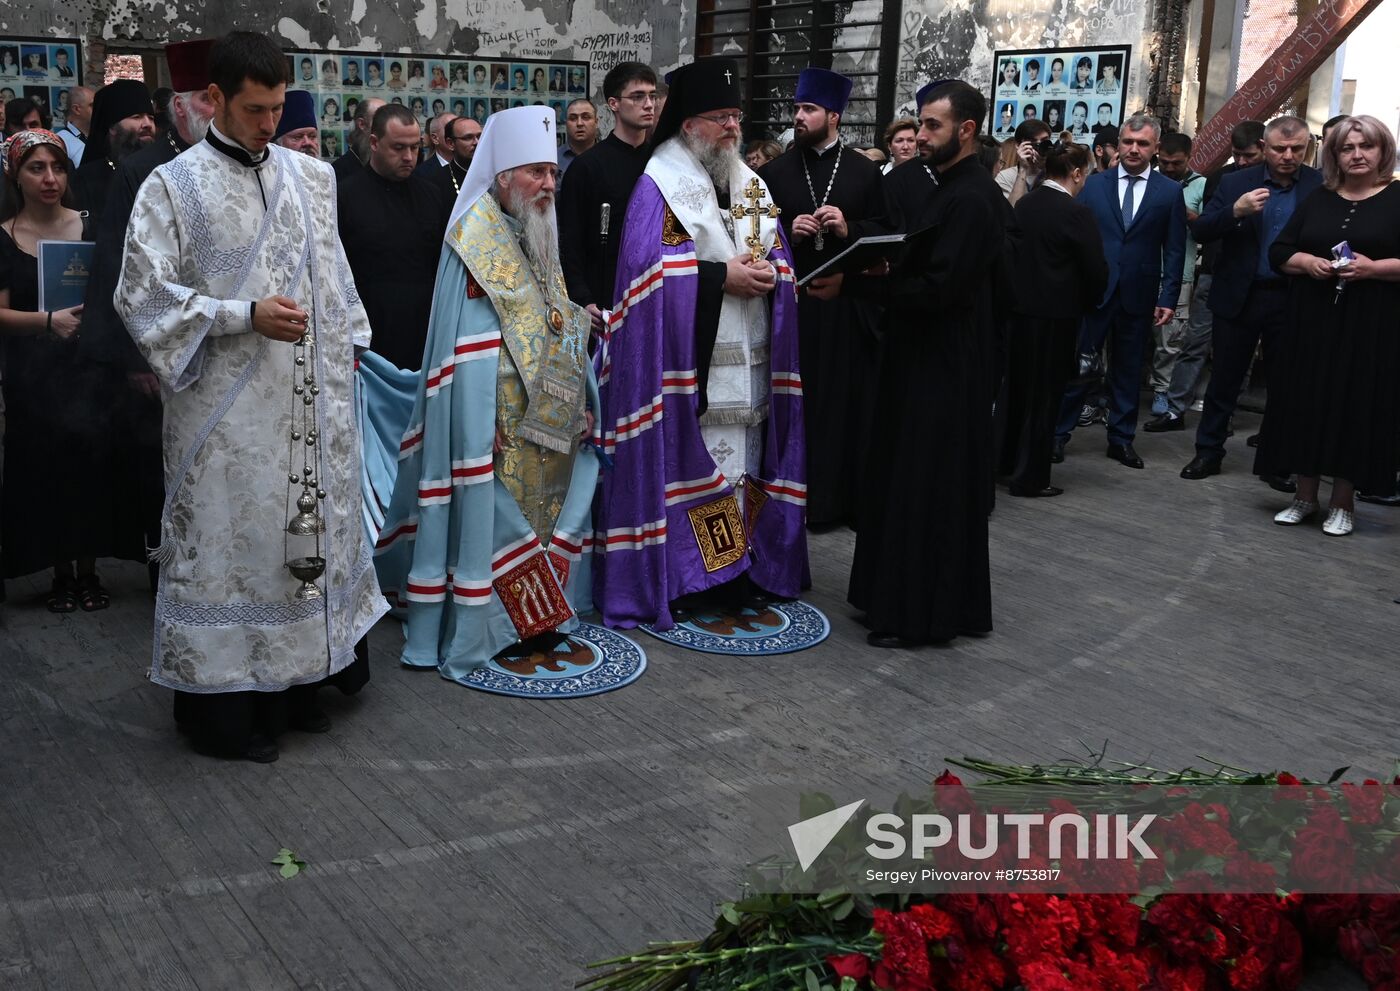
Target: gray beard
(538, 238)
(718, 162)
(195, 126)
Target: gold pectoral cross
(753, 194)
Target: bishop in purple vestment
(701, 394)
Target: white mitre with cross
(511, 138)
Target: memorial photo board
(1080, 90)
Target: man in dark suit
(1246, 148)
(1248, 299)
(439, 154)
(1142, 219)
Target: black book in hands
(864, 253)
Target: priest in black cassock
(131, 388)
(909, 189)
(921, 570)
(357, 139)
(123, 122)
(392, 223)
(592, 203)
(830, 195)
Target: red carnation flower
(933, 922)
(1323, 853)
(853, 965)
(1044, 975)
(1325, 914)
(1249, 972)
(1365, 801)
(904, 964)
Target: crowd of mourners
(1130, 270)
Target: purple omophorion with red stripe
(647, 553)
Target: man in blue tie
(1142, 219)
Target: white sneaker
(1296, 513)
(1338, 523)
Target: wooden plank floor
(459, 840)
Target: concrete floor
(461, 840)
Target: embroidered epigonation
(719, 532)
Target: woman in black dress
(1333, 405)
(1063, 275)
(53, 513)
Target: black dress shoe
(1252, 440)
(1391, 500)
(261, 749)
(311, 720)
(1202, 466)
(1029, 493)
(888, 640)
(1167, 421)
(1125, 455)
(1279, 483)
(1057, 452)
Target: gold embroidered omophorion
(541, 380)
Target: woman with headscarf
(54, 514)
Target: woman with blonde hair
(901, 138)
(1007, 159)
(1333, 406)
(761, 152)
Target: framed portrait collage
(429, 86)
(43, 69)
(1080, 90)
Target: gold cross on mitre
(753, 193)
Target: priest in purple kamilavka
(701, 395)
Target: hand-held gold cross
(753, 194)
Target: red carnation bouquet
(1240, 900)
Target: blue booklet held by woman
(64, 267)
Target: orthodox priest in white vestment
(236, 289)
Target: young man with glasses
(600, 180)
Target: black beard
(942, 154)
(125, 142)
(811, 138)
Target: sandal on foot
(91, 595)
(63, 596)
